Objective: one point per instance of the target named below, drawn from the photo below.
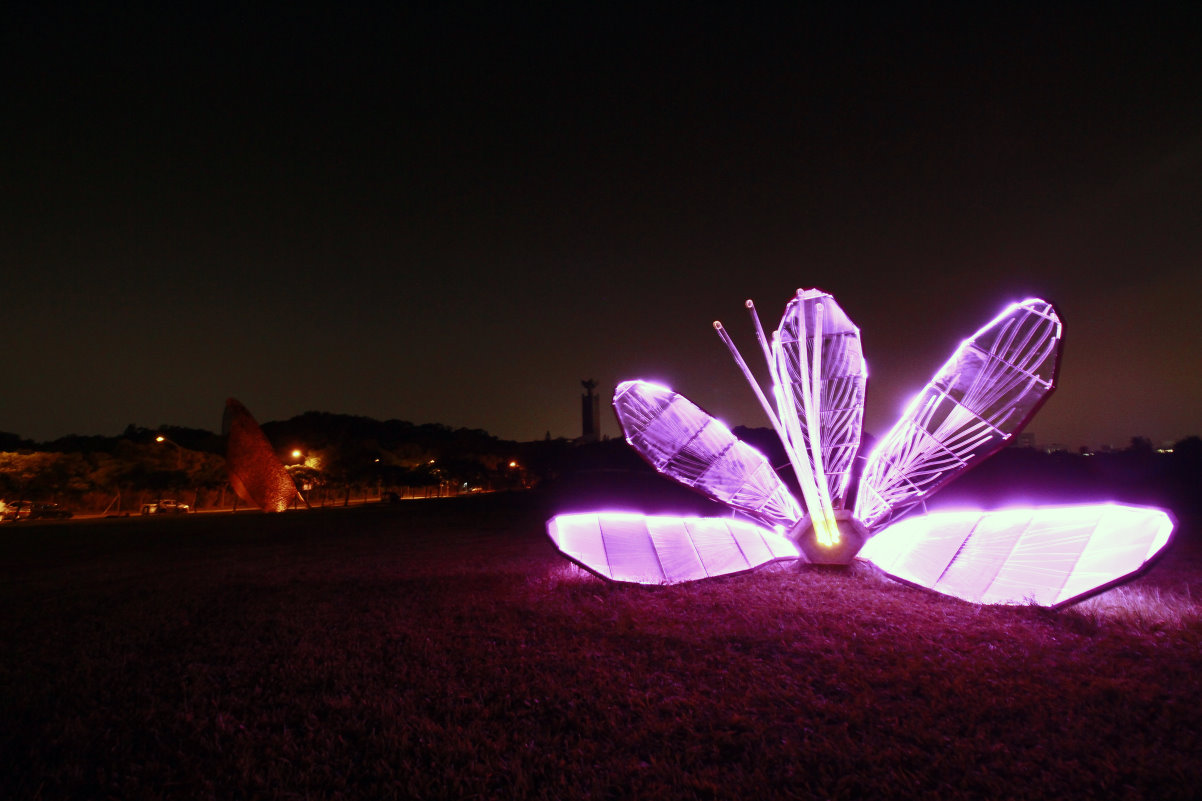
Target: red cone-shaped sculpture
(255, 472)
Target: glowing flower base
(849, 537)
(985, 393)
(254, 471)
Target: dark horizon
(441, 214)
(609, 431)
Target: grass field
(441, 649)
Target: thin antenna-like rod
(814, 420)
(759, 331)
(755, 385)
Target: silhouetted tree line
(340, 456)
(1138, 474)
(96, 473)
(348, 454)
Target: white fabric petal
(1049, 556)
(663, 549)
(685, 444)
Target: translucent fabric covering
(1049, 556)
(985, 393)
(841, 386)
(254, 471)
(687, 445)
(645, 549)
(992, 384)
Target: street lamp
(179, 451)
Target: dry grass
(1142, 609)
(442, 650)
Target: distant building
(1023, 439)
(590, 412)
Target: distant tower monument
(590, 412)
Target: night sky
(454, 215)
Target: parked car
(49, 511)
(165, 506)
(27, 510)
(14, 510)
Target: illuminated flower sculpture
(983, 395)
(255, 472)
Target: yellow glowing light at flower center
(826, 531)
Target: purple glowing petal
(841, 395)
(644, 549)
(985, 393)
(1049, 556)
(687, 445)
(254, 471)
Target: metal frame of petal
(989, 389)
(992, 385)
(684, 443)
